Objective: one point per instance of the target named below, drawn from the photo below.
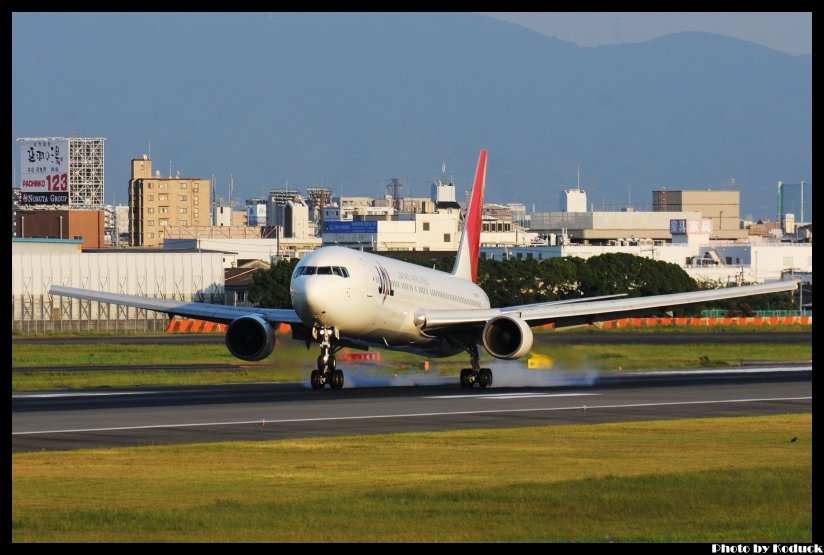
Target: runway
(152, 416)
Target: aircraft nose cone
(309, 299)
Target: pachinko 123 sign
(44, 176)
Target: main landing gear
(476, 374)
(326, 372)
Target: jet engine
(250, 338)
(507, 337)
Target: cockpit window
(321, 270)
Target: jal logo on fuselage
(385, 282)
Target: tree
(612, 273)
(271, 287)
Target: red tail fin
(466, 262)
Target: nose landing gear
(326, 371)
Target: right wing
(584, 311)
(219, 313)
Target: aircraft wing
(203, 311)
(584, 311)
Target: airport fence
(54, 314)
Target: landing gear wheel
(466, 378)
(328, 365)
(316, 380)
(337, 379)
(485, 377)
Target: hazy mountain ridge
(351, 100)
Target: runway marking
(258, 421)
(719, 371)
(508, 395)
(79, 394)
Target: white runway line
(79, 394)
(509, 395)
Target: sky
(790, 32)
(786, 32)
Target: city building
(87, 226)
(156, 203)
(221, 214)
(256, 212)
(61, 189)
(721, 207)
(239, 280)
(716, 212)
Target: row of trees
(515, 282)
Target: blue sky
(790, 32)
(188, 102)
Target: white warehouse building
(39, 263)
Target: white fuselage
(372, 299)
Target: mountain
(352, 100)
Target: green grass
(291, 361)
(605, 356)
(109, 352)
(702, 480)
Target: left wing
(588, 311)
(222, 314)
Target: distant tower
(394, 191)
(794, 198)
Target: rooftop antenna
(579, 177)
(170, 169)
(212, 187)
(231, 189)
(150, 150)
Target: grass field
(291, 361)
(702, 480)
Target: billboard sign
(44, 175)
(699, 226)
(685, 227)
(678, 227)
(345, 226)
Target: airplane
(343, 297)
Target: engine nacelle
(507, 337)
(250, 338)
